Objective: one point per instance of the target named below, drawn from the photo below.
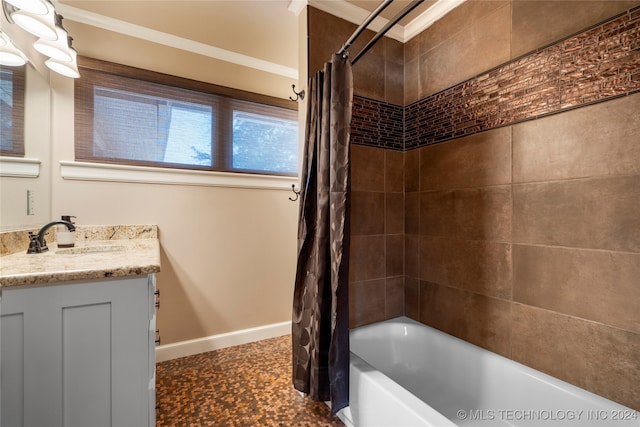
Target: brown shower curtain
(320, 331)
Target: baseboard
(216, 342)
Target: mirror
(25, 199)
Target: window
(143, 118)
(12, 84)
(264, 140)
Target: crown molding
(356, 15)
(429, 17)
(339, 8)
(297, 6)
(132, 30)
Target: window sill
(85, 171)
(19, 167)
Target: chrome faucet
(37, 244)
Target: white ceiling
(260, 34)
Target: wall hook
(296, 192)
(299, 95)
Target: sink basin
(90, 249)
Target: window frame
(18, 78)
(105, 74)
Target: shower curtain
(320, 326)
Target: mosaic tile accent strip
(377, 124)
(245, 386)
(596, 65)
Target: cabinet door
(75, 354)
(151, 340)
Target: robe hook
(299, 95)
(296, 192)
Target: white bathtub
(406, 374)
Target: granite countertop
(99, 252)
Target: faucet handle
(34, 244)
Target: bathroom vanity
(77, 334)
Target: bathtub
(406, 374)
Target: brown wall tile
(590, 355)
(443, 308)
(367, 259)
(412, 81)
(457, 21)
(539, 23)
(469, 212)
(481, 213)
(326, 35)
(366, 302)
(601, 139)
(477, 266)
(412, 255)
(475, 318)
(393, 171)
(412, 170)
(593, 285)
(394, 297)
(393, 50)
(588, 213)
(367, 213)
(412, 298)
(473, 161)
(369, 76)
(393, 83)
(483, 45)
(597, 64)
(367, 168)
(411, 49)
(412, 213)
(394, 255)
(394, 213)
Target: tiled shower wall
(524, 238)
(376, 290)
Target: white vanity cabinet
(78, 353)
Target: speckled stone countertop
(99, 252)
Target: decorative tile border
(598, 64)
(377, 124)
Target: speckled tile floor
(245, 386)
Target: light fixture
(39, 18)
(58, 49)
(10, 56)
(42, 26)
(32, 6)
(66, 68)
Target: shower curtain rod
(364, 25)
(380, 33)
(386, 28)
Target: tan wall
(13, 190)
(115, 47)
(228, 254)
